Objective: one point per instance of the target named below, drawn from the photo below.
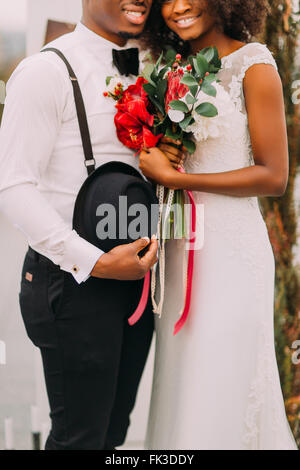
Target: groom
(75, 300)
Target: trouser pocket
(33, 298)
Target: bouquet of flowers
(180, 102)
(173, 101)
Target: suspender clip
(90, 162)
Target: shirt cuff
(79, 257)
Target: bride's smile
(187, 19)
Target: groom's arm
(31, 122)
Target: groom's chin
(127, 35)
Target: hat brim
(113, 167)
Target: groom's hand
(124, 263)
(173, 150)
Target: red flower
(134, 92)
(133, 123)
(175, 90)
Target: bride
(216, 384)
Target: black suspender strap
(81, 114)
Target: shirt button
(75, 269)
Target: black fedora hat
(115, 206)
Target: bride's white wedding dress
(216, 384)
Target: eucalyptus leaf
(189, 145)
(207, 110)
(190, 99)
(188, 80)
(209, 53)
(209, 89)
(172, 135)
(170, 55)
(213, 68)
(194, 89)
(210, 78)
(202, 65)
(186, 122)
(197, 69)
(179, 106)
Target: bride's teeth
(134, 13)
(188, 20)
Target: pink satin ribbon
(142, 303)
(179, 325)
(145, 293)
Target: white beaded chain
(157, 308)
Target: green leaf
(213, 68)
(170, 55)
(186, 122)
(189, 145)
(108, 80)
(179, 106)
(150, 89)
(190, 99)
(197, 69)
(202, 65)
(157, 104)
(216, 60)
(161, 90)
(147, 71)
(209, 89)
(207, 110)
(208, 53)
(188, 80)
(173, 135)
(194, 89)
(210, 78)
(154, 74)
(163, 71)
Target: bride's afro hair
(239, 19)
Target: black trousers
(93, 360)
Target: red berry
(178, 57)
(119, 85)
(189, 67)
(201, 80)
(207, 73)
(117, 92)
(105, 93)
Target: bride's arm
(267, 126)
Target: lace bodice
(238, 218)
(232, 150)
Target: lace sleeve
(258, 54)
(236, 65)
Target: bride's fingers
(168, 140)
(173, 159)
(166, 148)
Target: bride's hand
(174, 154)
(156, 166)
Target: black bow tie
(126, 61)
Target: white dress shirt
(41, 156)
